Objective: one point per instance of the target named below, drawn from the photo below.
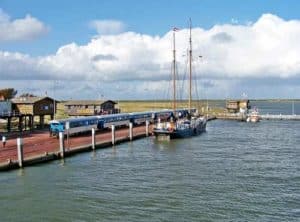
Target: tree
(8, 93)
(27, 95)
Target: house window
(44, 107)
(86, 106)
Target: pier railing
(10, 114)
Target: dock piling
(20, 151)
(113, 134)
(130, 131)
(61, 144)
(93, 138)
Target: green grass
(142, 105)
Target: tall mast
(174, 71)
(190, 63)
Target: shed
(235, 106)
(34, 105)
(90, 107)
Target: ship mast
(190, 68)
(174, 72)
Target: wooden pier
(38, 147)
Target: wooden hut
(34, 106)
(90, 107)
(234, 106)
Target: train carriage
(85, 124)
(139, 118)
(73, 125)
(106, 121)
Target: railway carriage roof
(142, 113)
(74, 119)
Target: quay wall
(40, 148)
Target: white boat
(176, 127)
(254, 116)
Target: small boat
(181, 127)
(254, 116)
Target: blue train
(85, 124)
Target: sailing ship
(190, 125)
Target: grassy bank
(211, 106)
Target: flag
(175, 29)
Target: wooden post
(113, 134)
(8, 124)
(25, 122)
(30, 122)
(20, 151)
(147, 127)
(41, 121)
(20, 123)
(61, 144)
(130, 131)
(93, 138)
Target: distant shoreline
(213, 100)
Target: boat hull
(165, 134)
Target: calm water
(234, 172)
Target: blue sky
(68, 20)
(58, 24)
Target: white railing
(280, 117)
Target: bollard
(93, 138)
(147, 127)
(130, 131)
(61, 144)
(20, 151)
(113, 135)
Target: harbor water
(236, 171)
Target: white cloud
(107, 27)
(234, 21)
(27, 28)
(257, 52)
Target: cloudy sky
(123, 49)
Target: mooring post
(20, 151)
(61, 144)
(93, 138)
(113, 134)
(130, 131)
(147, 127)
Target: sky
(123, 49)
